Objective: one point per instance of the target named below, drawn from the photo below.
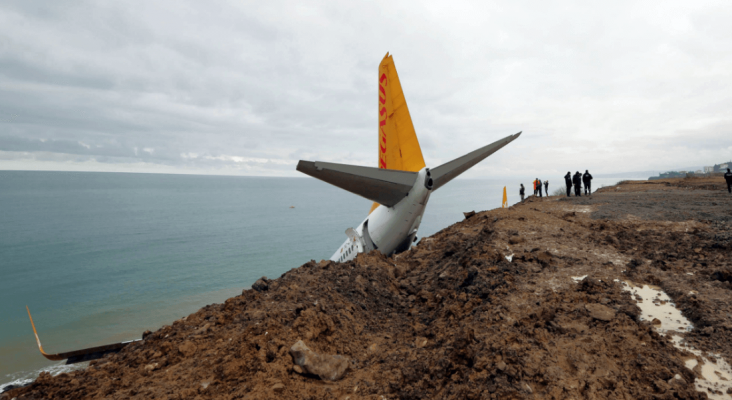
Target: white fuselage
(388, 228)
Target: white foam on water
(24, 378)
(655, 304)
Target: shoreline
(488, 307)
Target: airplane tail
(398, 146)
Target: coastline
(524, 302)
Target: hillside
(533, 301)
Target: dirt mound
(510, 303)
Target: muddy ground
(453, 318)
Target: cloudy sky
(249, 88)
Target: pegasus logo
(382, 121)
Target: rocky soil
(486, 308)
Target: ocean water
(101, 257)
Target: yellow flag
(505, 199)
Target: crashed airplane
(401, 185)
(400, 188)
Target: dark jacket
(521, 191)
(577, 179)
(586, 178)
(728, 177)
(568, 179)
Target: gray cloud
(251, 87)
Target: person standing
(728, 178)
(535, 180)
(587, 180)
(538, 186)
(521, 192)
(546, 188)
(577, 180)
(568, 182)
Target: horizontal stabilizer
(384, 186)
(446, 172)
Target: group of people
(578, 180)
(537, 188)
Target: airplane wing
(384, 186)
(450, 170)
(76, 356)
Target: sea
(101, 257)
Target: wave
(23, 378)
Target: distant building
(683, 174)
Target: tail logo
(382, 120)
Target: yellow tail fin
(398, 146)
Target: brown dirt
(454, 319)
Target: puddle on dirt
(658, 308)
(717, 382)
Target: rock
(677, 379)
(373, 347)
(515, 240)
(501, 365)
(656, 321)
(151, 367)
(297, 369)
(527, 388)
(261, 284)
(278, 387)
(708, 330)
(468, 214)
(327, 367)
(146, 334)
(187, 349)
(598, 311)
(420, 342)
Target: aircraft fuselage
(389, 229)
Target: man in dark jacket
(587, 180)
(728, 178)
(538, 186)
(521, 192)
(568, 182)
(577, 180)
(546, 188)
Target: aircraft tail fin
(383, 186)
(450, 170)
(398, 145)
